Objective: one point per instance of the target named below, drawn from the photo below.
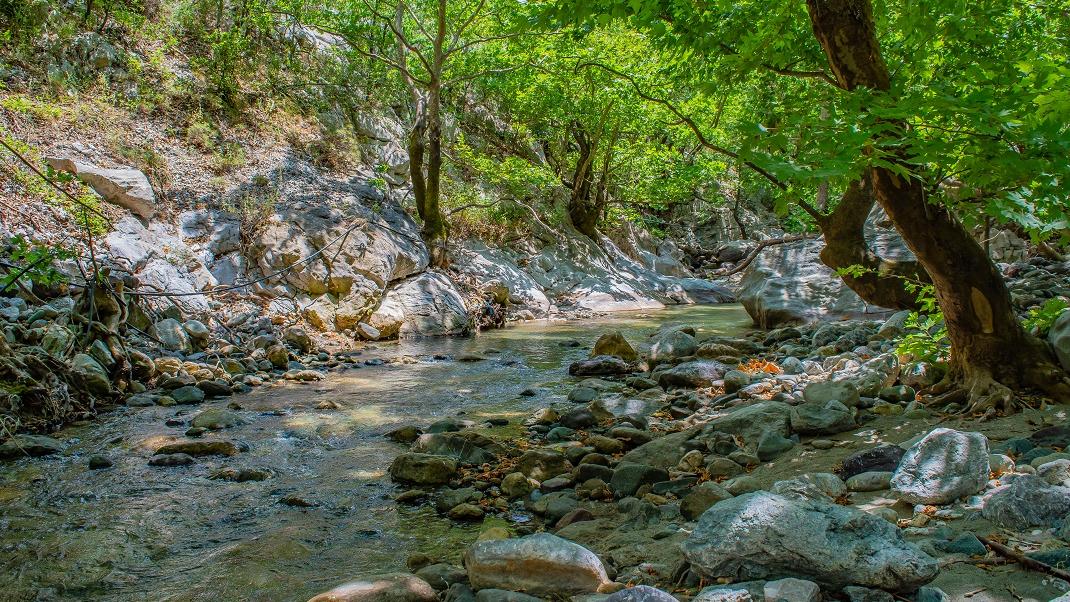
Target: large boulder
(1025, 502)
(427, 305)
(1059, 337)
(125, 187)
(762, 535)
(943, 466)
(751, 422)
(387, 588)
(540, 564)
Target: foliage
(926, 339)
(1040, 319)
(34, 261)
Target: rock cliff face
(345, 256)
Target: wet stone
(171, 460)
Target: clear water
(135, 532)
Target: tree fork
(882, 281)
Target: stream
(137, 532)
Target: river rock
(441, 576)
(91, 375)
(943, 466)
(614, 343)
(761, 535)
(467, 447)
(1056, 472)
(601, 365)
(825, 391)
(299, 338)
(870, 481)
(750, 422)
(188, 394)
(543, 464)
(822, 418)
(171, 460)
(540, 564)
(386, 588)
(517, 485)
(701, 498)
(640, 593)
(629, 477)
(33, 446)
(170, 332)
(663, 452)
(672, 346)
(792, 590)
(423, 469)
(1059, 337)
(216, 419)
(693, 375)
(1026, 501)
(200, 448)
(880, 458)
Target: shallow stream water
(135, 532)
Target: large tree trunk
(583, 211)
(881, 282)
(990, 351)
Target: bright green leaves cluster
(982, 88)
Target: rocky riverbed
(788, 465)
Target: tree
(428, 38)
(936, 149)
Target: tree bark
(583, 211)
(990, 351)
(882, 281)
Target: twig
(757, 250)
(1029, 563)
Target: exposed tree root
(979, 392)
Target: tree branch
(689, 122)
(821, 75)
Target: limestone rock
(426, 305)
(761, 535)
(125, 187)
